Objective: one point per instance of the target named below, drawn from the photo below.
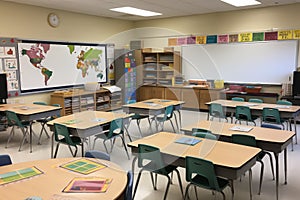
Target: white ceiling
(169, 8)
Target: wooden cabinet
(160, 67)
(72, 102)
(194, 98)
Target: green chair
(253, 100)
(116, 129)
(284, 102)
(216, 110)
(201, 173)
(237, 99)
(167, 116)
(62, 136)
(251, 141)
(138, 118)
(243, 113)
(203, 133)
(150, 159)
(97, 154)
(14, 121)
(272, 116)
(43, 122)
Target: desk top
(153, 104)
(260, 133)
(54, 179)
(88, 119)
(27, 109)
(220, 153)
(256, 106)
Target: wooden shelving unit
(72, 102)
(160, 67)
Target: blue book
(188, 141)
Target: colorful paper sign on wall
(245, 37)
(191, 40)
(181, 41)
(172, 41)
(223, 38)
(211, 39)
(285, 35)
(233, 38)
(271, 35)
(296, 34)
(201, 40)
(258, 36)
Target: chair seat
(165, 171)
(76, 140)
(203, 182)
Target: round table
(51, 183)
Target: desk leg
(285, 166)
(295, 125)
(52, 144)
(276, 173)
(178, 129)
(30, 137)
(250, 183)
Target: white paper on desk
(241, 128)
(98, 120)
(282, 106)
(251, 104)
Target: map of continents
(89, 58)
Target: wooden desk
(30, 112)
(50, 184)
(290, 112)
(87, 123)
(271, 140)
(154, 107)
(231, 160)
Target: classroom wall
(30, 22)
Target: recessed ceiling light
(135, 11)
(240, 3)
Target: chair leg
(261, 176)
(180, 183)
(153, 182)
(43, 129)
(173, 126)
(167, 189)
(23, 139)
(271, 162)
(56, 150)
(125, 147)
(137, 183)
(186, 196)
(223, 195)
(196, 194)
(12, 132)
(139, 128)
(150, 125)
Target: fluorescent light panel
(135, 11)
(240, 3)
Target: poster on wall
(52, 65)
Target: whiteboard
(268, 62)
(54, 65)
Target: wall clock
(53, 20)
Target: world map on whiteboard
(57, 65)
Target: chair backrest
(130, 101)
(97, 154)
(128, 192)
(243, 113)
(270, 126)
(216, 110)
(206, 135)
(56, 105)
(256, 100)
(203, 133)
(243, 139)
(40, 103)
(5, 160)
(62, 131)
(148, 153)
(284, 102)
(271, 115)
(168, 112)
(237, 99)
(116, 126)
(203, 168)
(13, 119)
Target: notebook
(188, 141)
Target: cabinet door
(207, 96)
(158, 93)
(173, 94)
(191, 98)
(144, 93)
